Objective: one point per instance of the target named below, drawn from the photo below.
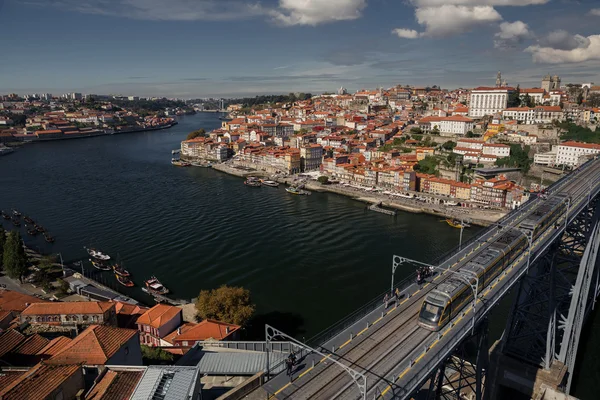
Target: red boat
(123, 280)
(119, 270)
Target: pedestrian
(397, 294)
(385, 300)
(290, 365)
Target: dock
(377, 208)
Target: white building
(535, 115)
(572, 153)
(488, 100)
(473, 144)
(448, 126)
(535, 94)
(546, 158)
(496, 149)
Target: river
(307, 260)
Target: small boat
(119, 270)
(16, 222)
(16, 213)
(179, 163)
(270, 183)
(252, 182)
(5, 215)
(123, 280)
(32, 232)
(39, 228)
(295, 190)
(28, 220)
(154, 286)
(48, 238)
(450, 203)
(99, 265)
(98, 255)
(456, 223)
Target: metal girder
(543, 309)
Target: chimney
(179, 331)
(227, 330)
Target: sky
(228, 48)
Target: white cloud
(406, 33)
(437, 3)
(314, 12)
(511, 34)
(451, 19)
(563, 40)
(595, 12)
(550, 55)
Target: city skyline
(237, 48)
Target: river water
(307, 260)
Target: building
(550, 83)
(574, 153)
(101, 345)
(205, 330)
(495, 192)
(447, 126)
(311, 157)
(496, 149)
(168, 382)
(535, 94)
(548, 158)
(158, 322)
(70, 313)
(47, 382)
(488, 100)
(534, 115)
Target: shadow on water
(291, 324)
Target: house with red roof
(158, 322)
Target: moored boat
(154, 286)
(5, 215)
(123, 280)
(98, 254)
(99, 265)
(252, 182)
(179, 163)
(270, 183)
(48, 238)
(295, 191)
(16, 213)
(119, 270)
(456, 223)
(16, 222)
(28, 220)
(39, 228)
(32, 231)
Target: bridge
(380, 352)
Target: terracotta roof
(182, 329)
(159, 315)
(208, 329)
(9, 376)
(40, 382)
(581, 144)
(127, 314)
(32, 345)
(9, 340)
(115, 385)
(55, 346)
(94, 346)
(15, 301)
(75, 307)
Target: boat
(98, 255)
(28, 220)
(16, 222)
(295, 190)
(32, 232)
(39, 228)
(252, 182)
(16, 213)
(119, 270)
(100, 265)
(270, 183)
(154, 286)
(48, 238)
(5, 215)
(123, 280)
(451, 203)
(456, 223)
(179, 163)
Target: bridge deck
(393, 353)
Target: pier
(376, 207)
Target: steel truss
(459, 379)
(546, 318)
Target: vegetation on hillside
(270, 99)
(225, 304)
(14, 259)
(155, 355)
(428, 165)
(571, 131)
(519, 158)
(195, 134)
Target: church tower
(499, 79)
(547, 83)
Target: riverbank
(477, 217)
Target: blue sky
(201, 48)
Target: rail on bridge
(558, 279)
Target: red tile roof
(115, 385)
(9, 376)
(75, 307)
(182, 329)
(15, 301)
(581, 144)
(9, 340)
(94, 346)
(54, 347)
(40, 382)
(32, 345)
(208, 329)
(159, 315)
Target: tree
(449, 145)
(514, 99)
(416, 131)
(435, 130)
(428, 165)
(593, 100)
(225, 304)
(323, 180)
(470, 134)
(195, 134)
(528, 101)
(155, 355)
(14, 258)
(519, 158)
(2, 241)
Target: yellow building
(423, 152)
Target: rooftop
(75, 307)
(115, 385)
(208, 329)
(39, 382)
(15, 301)
(166, 383)
(158, 315)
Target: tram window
(430, 312)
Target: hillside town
(42, 117)
(479, 148)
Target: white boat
(406, 196)
(451, 203)
(98, 254)
(270, 183)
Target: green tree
(2, 241)
(155, 355)
(435, 130)
(428, 165)
(195, 134)
(519, 158)
(514, 99)
(416, 130)
(528, 101)
(14, 258)
(323, 180)
(449, 145)
(225, 304)
(470, 134)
